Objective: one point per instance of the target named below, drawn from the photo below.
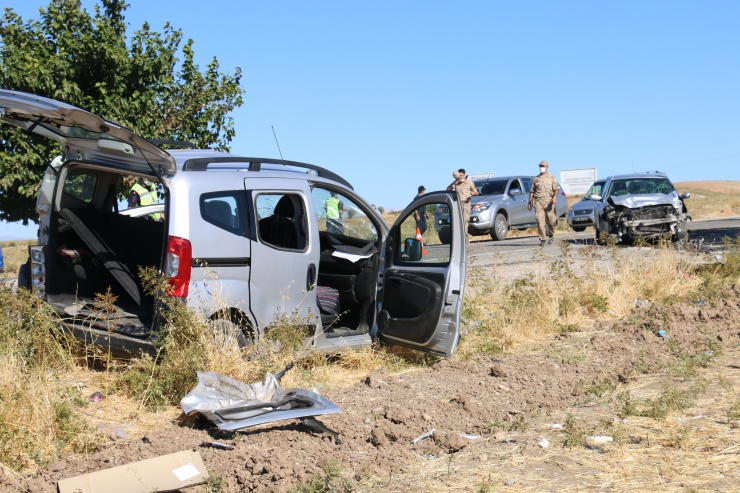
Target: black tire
(244, 336)
(444, 238)
(599, 241)
(500, 228)
(578, 229)
(680, 237)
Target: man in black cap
(420, 214)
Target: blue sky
(392, 95)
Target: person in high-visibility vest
(333, 208)
(144, 193)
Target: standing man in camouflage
(465, 189)
(543, 197)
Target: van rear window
(81, 187)
(226, 210)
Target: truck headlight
(483, 206)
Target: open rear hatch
(90, 248)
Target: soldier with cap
(420, 214)
(465, 189)
(543, 197)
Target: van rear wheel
(230, 331)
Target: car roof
(204, 159)
(655, 174)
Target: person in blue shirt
(420, 214)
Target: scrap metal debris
(232, 405)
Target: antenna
(276, 141)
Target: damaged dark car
(644, 205)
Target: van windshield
(491, 187)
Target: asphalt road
(707, 234)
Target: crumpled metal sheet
(232, 405)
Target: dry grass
(15, 254)
(556, 298)
(711, 198)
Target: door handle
(311, 277)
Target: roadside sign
(481, 176)
(577, 181)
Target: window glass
(81, 187)
(281, 220)
(595, 189)
(640, 186)
(491, 187)
(527, 182)
(225, 210)
(515, 184)
(340, 216)
(434, 251)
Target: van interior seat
(280, 229)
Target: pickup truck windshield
(640, 186)
(491, 187)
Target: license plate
(581, 219)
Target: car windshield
(640, 186)
(596, 189)
(491, 187)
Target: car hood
(486, 198)
(584, 205)
(635, 201)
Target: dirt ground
(511, 401)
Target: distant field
(711, 198)
(14, 254)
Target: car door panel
(414, 305)
(421, 301)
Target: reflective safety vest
(147, 197)
(332, 208)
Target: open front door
(423, 285)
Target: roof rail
(255, 164)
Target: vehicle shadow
(714, 236)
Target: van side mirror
(686, 195)
(515, 191)
(595, 196)
(412, 250)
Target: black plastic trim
(222, 262)
(201, 164)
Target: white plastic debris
(557, 426)
(617, 420)
(544, 443)
(686, 420)
(469, 436)
(423, 436)
(599, 439)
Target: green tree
(86, 60)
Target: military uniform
(544, 188)
(465, 189)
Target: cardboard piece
(164, 473)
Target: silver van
(245, 240)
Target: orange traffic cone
(418, 237)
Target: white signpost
(481, 176)
(577, 181)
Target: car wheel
(578, 230)
(231, 331)
(500, 228)
(680, 237)
(445, 239)
(599, 239)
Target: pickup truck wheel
(500, 228)
(445, 239)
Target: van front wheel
(232, 332)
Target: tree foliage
(87, 61)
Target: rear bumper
(121, 346)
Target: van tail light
(178, 266)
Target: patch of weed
(677, 438)
(602, 388)
(733, 414)
(725, 383)
(670, 399)
(329, 480)
(575, 436)
(573, 358)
